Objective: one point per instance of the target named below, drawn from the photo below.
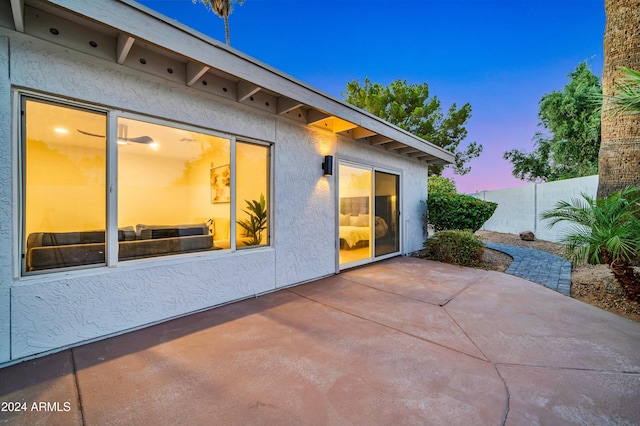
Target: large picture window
(178, 190)
(168, 181)
(64, 187)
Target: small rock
(527, 236)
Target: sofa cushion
(147, 232)
(160, 246)
(48, 239)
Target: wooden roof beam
(286, 105)
(379, 140)
(123, 47)
(361, 133)
(245, 90)
(407, 150)
(315, 117)
(394, 146)
(194, 72)
(340, 125)
(17, 9)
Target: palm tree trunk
(619, 156)
(226, 30)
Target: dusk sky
(501, 56)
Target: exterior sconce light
(327, 166)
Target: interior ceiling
(82, 34)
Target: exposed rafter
(246, 90)
(194, 72)
(394, 146)
(17, 8)
(340, 125)
(379, 140)
(286, 105)
(407, 150)
(315, 117)
(123, 47)
(361, 133)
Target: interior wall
(65, 188)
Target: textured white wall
(519, 208)
(65, 311)
(305, 213)
(6, 182)
(55, 310)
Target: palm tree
(626, 94)
(619, 156)
(223, 9)
(603, 230)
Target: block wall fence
(519, 208)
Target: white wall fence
(519, 208)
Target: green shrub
(457, 211)
(457, 247)
(438, 185)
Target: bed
(357, 229)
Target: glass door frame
(373, 169)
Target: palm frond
(625, 97)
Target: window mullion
(112, 191)
(232, 213)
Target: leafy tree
(223, 9)
(572, 119)
(410, 108)
(440, 185)
(604, 230)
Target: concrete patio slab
(514, 321)
(291, 361)
(550, 396)
(437, 284)
(419, 319)
(369, 346)
(40, 392)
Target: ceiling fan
(122, 136)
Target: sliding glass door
(386, 207)
(369, 225)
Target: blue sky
(501, 56)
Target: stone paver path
(538, 266)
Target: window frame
(22, 99)
(269, 190)
(111, 183)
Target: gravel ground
(592, 284)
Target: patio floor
(404, 341)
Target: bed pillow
(362, 220)
(344, 220)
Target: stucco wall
(519, 208)
(6, 218)
(55, 310)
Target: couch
(47, 250)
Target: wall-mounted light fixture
(327, 166)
